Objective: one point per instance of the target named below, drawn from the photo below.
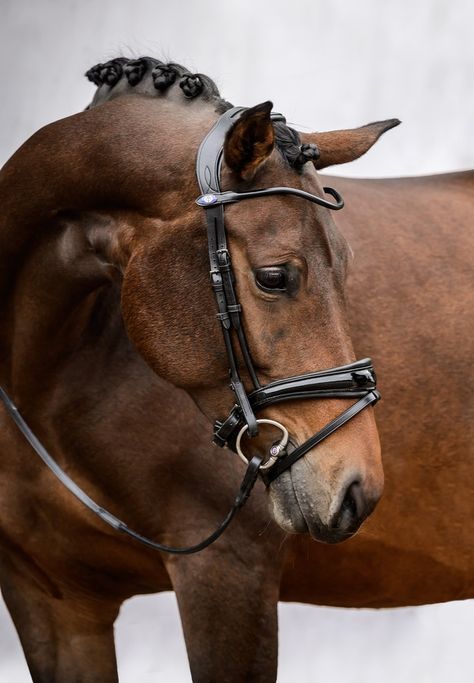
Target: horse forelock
(154, 78)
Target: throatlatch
(356, 380)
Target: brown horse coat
(411, 303)
(125, 434)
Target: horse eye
(272, 278)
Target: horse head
(127, 168)
(290, 263)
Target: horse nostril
(347, 517)
(349, 503)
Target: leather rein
(355, 380)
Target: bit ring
(275, 450)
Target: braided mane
(154, 78)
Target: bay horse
(111, 351)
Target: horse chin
(297, 516)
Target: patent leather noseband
(356, 380)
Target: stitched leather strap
(209, 158)
(228, 309)
(356, 380)
(220, 198)
(346, 381)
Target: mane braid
(162, 76)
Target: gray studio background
(325, 64)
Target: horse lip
(301, 519)
(316, 528)
(287, 511)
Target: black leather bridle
(356, 380)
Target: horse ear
(250, 141)
(341, 146)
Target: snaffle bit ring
(275, 450)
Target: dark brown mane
(154, 78)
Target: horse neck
(122, 154)
(53, 283)
(60, 312)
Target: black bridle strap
(229, 197)
(208, 166)
(228, 309)
(346, 381)
(287, 460)
(246, 486)
(356, 380)
(209, 158)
